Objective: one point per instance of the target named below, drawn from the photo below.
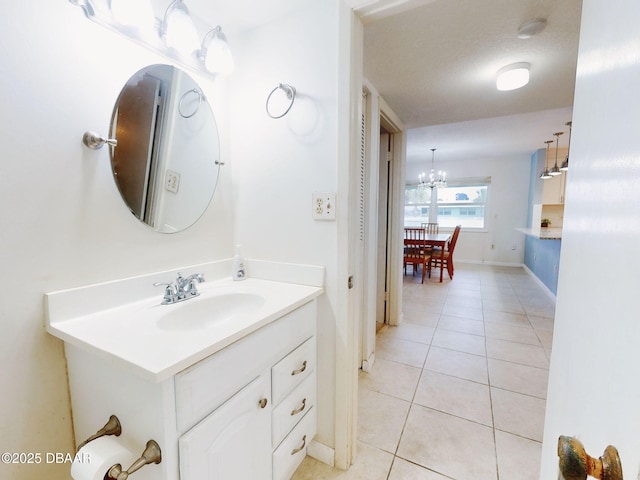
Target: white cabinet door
(234, 441)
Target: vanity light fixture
(555, 170)
(545, 173)
(434, 182)
(513, 76)
(565, 165)
(178, 30)
(215, 52)
(174, 35)
(136, 14)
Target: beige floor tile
(421, 317)
(461, 342)
(519, 414)
(521, 353)
(370, 464)
(391, 378)
(511, 332)
(457, 364)
(381, 419)
(456, 301)
(502, 306)
(541, 323)
(403, 470)
(518, 458)
(546, 338)
(464, 311)
(462, 398)
(507, 318)
(518, 378)
(401, 351)
(463, 325)
(411, 331)
(449, 445)
(539, 311)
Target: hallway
(458, 390)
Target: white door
(234, 442)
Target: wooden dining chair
(447, 256)
(415, 251)
(430, 227)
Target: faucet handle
(169, 291)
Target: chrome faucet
(184, 288)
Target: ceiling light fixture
(545, 173)
(531, 28)
(565, 165)
(513, 76)
(555, 170)
(434, 182)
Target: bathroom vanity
(228, 398)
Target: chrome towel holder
(289, 91)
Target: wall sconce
(513, 76)
(174, 35)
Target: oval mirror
(167, 156)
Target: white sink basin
(124, 322)
(207, 311)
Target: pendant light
(555, 170)
(545, 173)
(565, 164)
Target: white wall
(277, 164)
(63, 223)
(507, 207)
(594, 381)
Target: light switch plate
(323, 206)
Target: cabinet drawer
(293, 408)
(202, 388)
(293, 369)
(293, 448)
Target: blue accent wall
(542, 257)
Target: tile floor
(458, 390)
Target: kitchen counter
(549, 233)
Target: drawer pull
(298, 410)
(301, 447)
(301, 369)
(263, 402)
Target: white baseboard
(487, 262)
(322, 453)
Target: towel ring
(291, 95)
(181, 104)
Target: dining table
(438, 240)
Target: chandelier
(434, 182)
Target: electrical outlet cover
(323, 206)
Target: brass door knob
(576, 464)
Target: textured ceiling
(435, 65)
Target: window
(460, 203)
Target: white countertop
(131, 333)
(548, 233)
